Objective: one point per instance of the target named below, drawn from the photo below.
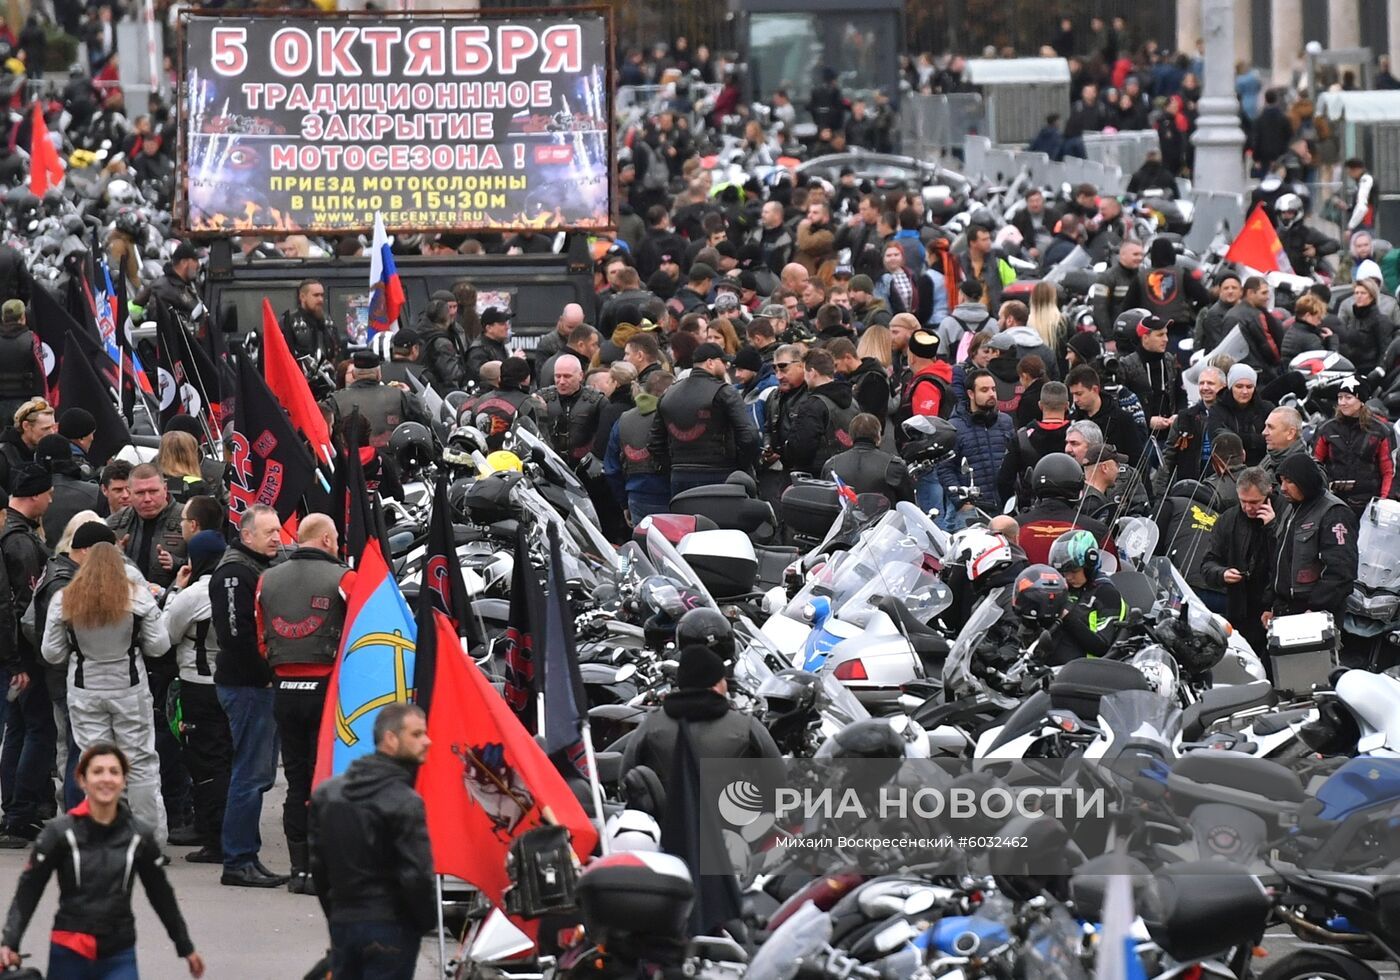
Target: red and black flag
(564, 698)
(442, 589)
(526, 596)
(82, 387)
(53, 326)
(268, 463)
(364, 520)
(189, 383)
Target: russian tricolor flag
(387, 300)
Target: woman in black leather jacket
(97, 849)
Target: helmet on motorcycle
(790, 699)
(412, 445)
(1073, 550)
(1158, 668)
(1200, 642)
(1039, 596)
(1289, 208)
(1057, 475)
(708, 628)
(1125, 327)
(982, 552)
(632, 830)
(873, 738)
(465, 439)
(504, 459)
(129, 222)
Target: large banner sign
(314, 123)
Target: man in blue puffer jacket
(983, 435)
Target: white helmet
(981, 551)
(1289, 204)
(633, 830)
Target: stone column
(1219, 142)
(1393, 31)
(1188, 25)
(1343, 24)
(1287, 29)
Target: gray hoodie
(965, 318)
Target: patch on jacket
(296, 630)
(1340, 531)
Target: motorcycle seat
(504, 529)
(773, 561)
(609, 767)
(1260, 777)
(1273, 724)
(1222, 702)
(729, 506)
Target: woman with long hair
(1354, 449)
(178, 461)
(97, 849)
(721, 331)
(102, 624)
(875, 342)
(1047, 321)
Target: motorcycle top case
(1302, 651)
(636, 893)
(810, 507)
(1081, 684)
(724, 560)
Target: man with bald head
(795, 276)
(555, 341)
(301, 614)
(571, 411)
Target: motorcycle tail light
(851, 670)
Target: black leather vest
(303, 613)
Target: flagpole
(593, 783)
(441, 931)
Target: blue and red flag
(387, 299)
(374, 668)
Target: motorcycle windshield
(574, 566)
(841, 704)
(803, 936)
(958, 679)
(875, 557)
(1378, 546)
(1140, 716)
(1074, 261)
(669, 563)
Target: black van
(536, 288)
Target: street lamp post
(1219, 141)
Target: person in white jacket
(102, 624)
(208, 745)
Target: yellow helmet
(503, 461)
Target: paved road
(242, 933)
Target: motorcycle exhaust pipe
(1311, 930)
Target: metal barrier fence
(932, 126)
(634, 103)
(1125, 150)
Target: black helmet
(412, 446)
(790, 700)
(872, 738)
(129, 222)
(1125, 327)
(708, 628)
(1057, 475)
(1039, 596)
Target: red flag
(1257, 245)
(287, 380)
(45, 168)
(485, 780)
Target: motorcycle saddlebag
(1081, 683)
(673, 527)
(724, 560)
(1302, 651)
(542, 872)
(809, 509)
(636, 893)
(1202, 908)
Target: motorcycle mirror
(625, 672)
(920, 901)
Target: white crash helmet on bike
(1289, 208)
(632, 830)
(981, 551)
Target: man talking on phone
(1237, 560)
(149, 529)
